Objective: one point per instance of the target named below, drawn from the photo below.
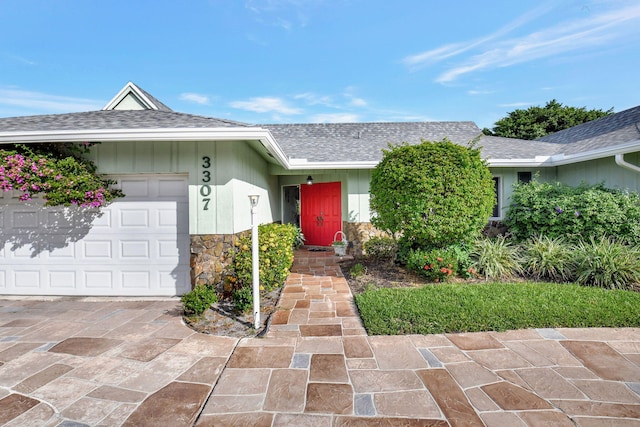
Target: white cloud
(453, 49)
(313, 99)
(335, 118)
(44, 103)
(515, 104)
(358, 102)
(284, 14)
(480, 92)
(195, 97)
(266, 105)
(495, 51)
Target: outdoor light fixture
(309, 180)
(255, 269)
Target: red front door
(320, 212)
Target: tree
(536, 122)
(60, 172)
(434, 194)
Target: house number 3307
(205, 188)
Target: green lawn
(494, 307)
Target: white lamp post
(255, 269)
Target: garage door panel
(134, 218)
(102, 221)
(170, 188)
(137, 249)
(97, 249)
(136, 279)
(64, 279)
(61, 252)
(25, 220)
(27, 251)
(99, 280)
(26, 278)
(135, 187)
(57, 220)
(167, 249)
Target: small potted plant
(340, 246)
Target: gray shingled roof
(112, 119)
(608, 131)
(161, 106)
(362, 142)
(496, 147)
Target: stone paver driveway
(134, 363)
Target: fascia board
(302, 164)
(538, 161)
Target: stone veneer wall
(358, 233)
(210, 257)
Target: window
(524, 177)
(496, 207)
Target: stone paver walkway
(134, 363)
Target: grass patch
(495, 307)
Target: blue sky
(301, 61)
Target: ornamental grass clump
(496, 259)
(606, 263)
(546, 258)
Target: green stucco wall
(602, 170)
(224, 172)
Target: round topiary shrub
(434, 194)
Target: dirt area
(221, 319)
(373, 274)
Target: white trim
(302, 164)
(565, 159)
(130, 87)
(500, 198)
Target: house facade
(187, 179)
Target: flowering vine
(60, 173)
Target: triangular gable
(131, 97)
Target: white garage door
(137, 246)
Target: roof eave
(157, 134)
(564, 159)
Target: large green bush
(574, 213)
(275, 257)
(433, 194)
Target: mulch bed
(221, 319)
(379, 275)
